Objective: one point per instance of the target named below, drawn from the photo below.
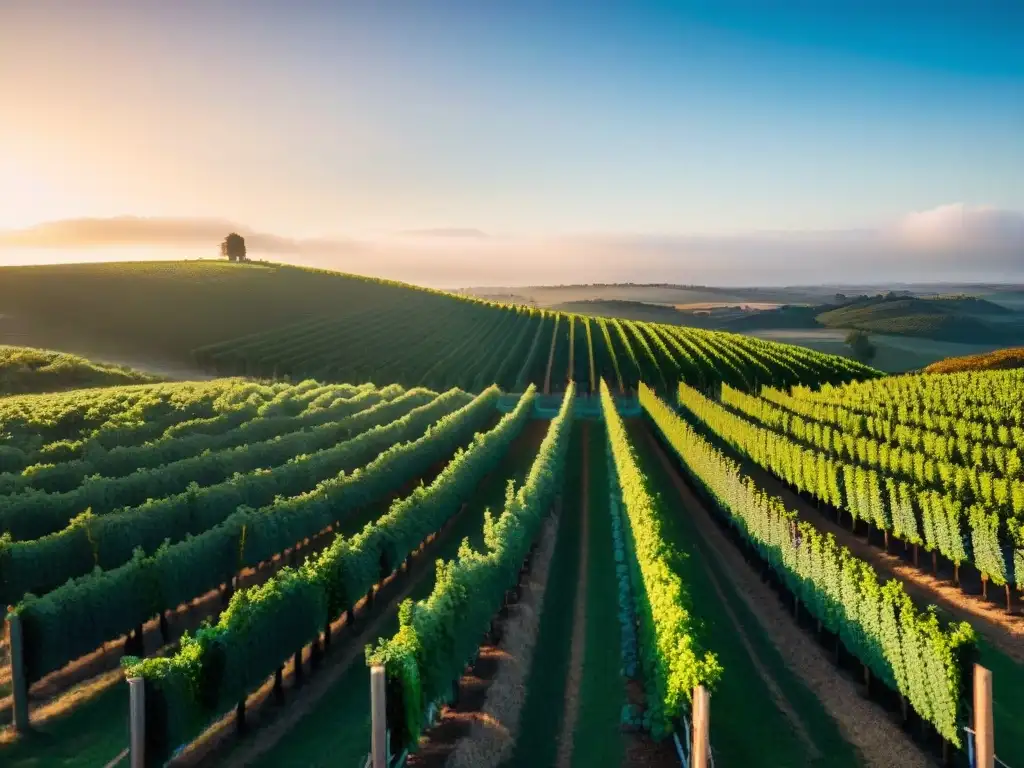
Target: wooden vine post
(701, 722)
(378, 714)
(137, 715)
(19, 684)
(984, 734)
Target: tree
(233, 247)
(861, 345)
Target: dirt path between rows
(486, 737)
(551, 360)
(879, 740)
(1003, 630)
(579, 614)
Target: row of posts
(984, 733)
(700, 748)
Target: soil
(880, 741)
(579, 621)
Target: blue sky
(521, 119)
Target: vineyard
(515, 347)
(542, 542)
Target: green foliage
(673, 658)
(906, 649)
(898, 481)
(245, 537)
(108, 541)
(25, 370)
(265, 625)
(860, 343)
(439, 635)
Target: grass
(1007, 703)
(895, 354)
(598, 740)
(754, 730)
(90, 735)
(541, 719)
(336, 732)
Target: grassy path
(579, 613)
(774, 719)
(597, 740)
(541, 719)
(336, 729)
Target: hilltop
(1000, 359)
(270, 320)
(946, 318)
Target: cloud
(958, 226)
(954, 243)
(445, 232)
(157, 231)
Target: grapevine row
(672, 657)
(914, 513)
(264, 626)
(439, 635)
(910, 651)
(83, 614)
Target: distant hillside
(785, 317)
(24, 370)
(946, 318)
(998, 360)
(272, 320)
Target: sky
(469, 143)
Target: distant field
(744, 305)
(896, 354)
(550, 296)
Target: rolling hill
(270, 320)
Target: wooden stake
(137, 715)
(984, 736)
(701, 727)
(19, 682)
(378, 714)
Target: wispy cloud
(951, 242)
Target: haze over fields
(520, 144)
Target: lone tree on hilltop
(233, 247)
(860, 343)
